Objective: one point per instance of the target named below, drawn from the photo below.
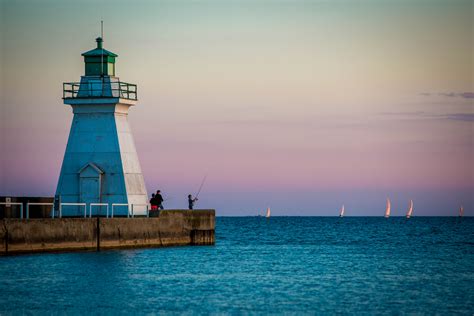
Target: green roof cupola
(99, 61)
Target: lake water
(281, 265)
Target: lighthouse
(100, 170)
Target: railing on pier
(34, 203)
(14, 203)
(71, 204)
(100, 89)
(131, 209)
(98, 204)
(147, 210)
(120, 204)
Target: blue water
(282, 265)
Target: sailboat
(387, 210)
(341, 214)
(410, 210)
(268, 213)
(461, 211)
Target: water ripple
(289, 265)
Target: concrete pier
(170, 228)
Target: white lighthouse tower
(101, 163)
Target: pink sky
(331, 103)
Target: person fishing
(191, 201)
(159, 200)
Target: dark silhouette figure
(191, 201)
(153, 202)
(159, 200)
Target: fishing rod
(200, 187)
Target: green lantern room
(99, 61)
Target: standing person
(159, 200)
(191, 201)
(153, 203)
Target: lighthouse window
(111, 69)
(92, 69)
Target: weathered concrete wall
(198, 225)
(170, 228)
(49, 234)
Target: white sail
(387, 210)
(461, 211)
(268, 213)
(341, 214)
(410, 209)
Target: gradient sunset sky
(300, 106)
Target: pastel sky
(300, 106)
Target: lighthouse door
(90, 190)
(89, 184)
